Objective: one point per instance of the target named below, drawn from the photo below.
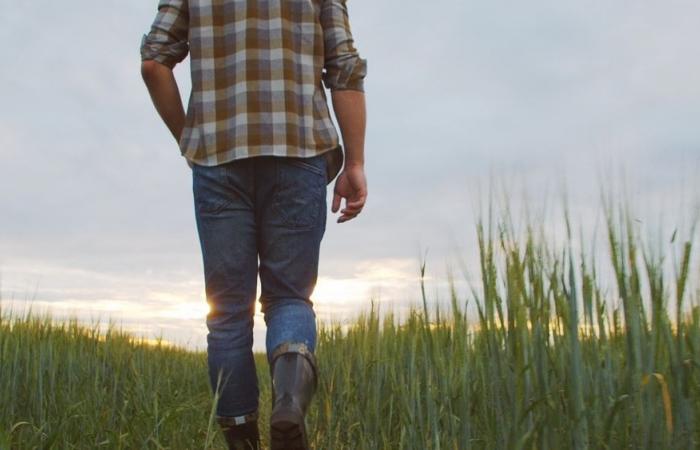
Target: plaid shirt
(257, 68)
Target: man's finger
(355, 210)
(345, 218)
(355, 204)
(346, 215)
(357, 198)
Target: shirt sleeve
(343, 67)
(167, 41)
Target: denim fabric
(267, 207)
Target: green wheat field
(552, 355)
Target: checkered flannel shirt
(257, 69)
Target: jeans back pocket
(300, 191)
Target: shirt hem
(334, 159)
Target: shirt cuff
(351, 85)
(346, 75)
(168, 54)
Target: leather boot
(241, 432)
(294, 381)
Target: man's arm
(349, 107)
(165, 94)
(162, 48)
(344, 75)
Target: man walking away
(262, 147)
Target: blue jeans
(274, 208)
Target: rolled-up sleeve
(343, 67)
(167, 41)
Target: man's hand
(351, 184)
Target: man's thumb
(336, 202)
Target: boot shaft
(293, 371)
(294, 376)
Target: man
(262, 148)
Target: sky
(96, 211)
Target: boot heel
(287, 431)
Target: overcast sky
(96, 214)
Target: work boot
(294, 381)
(241, 432)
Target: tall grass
(554, 359)
(553, 362)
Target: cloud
(539, 93)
